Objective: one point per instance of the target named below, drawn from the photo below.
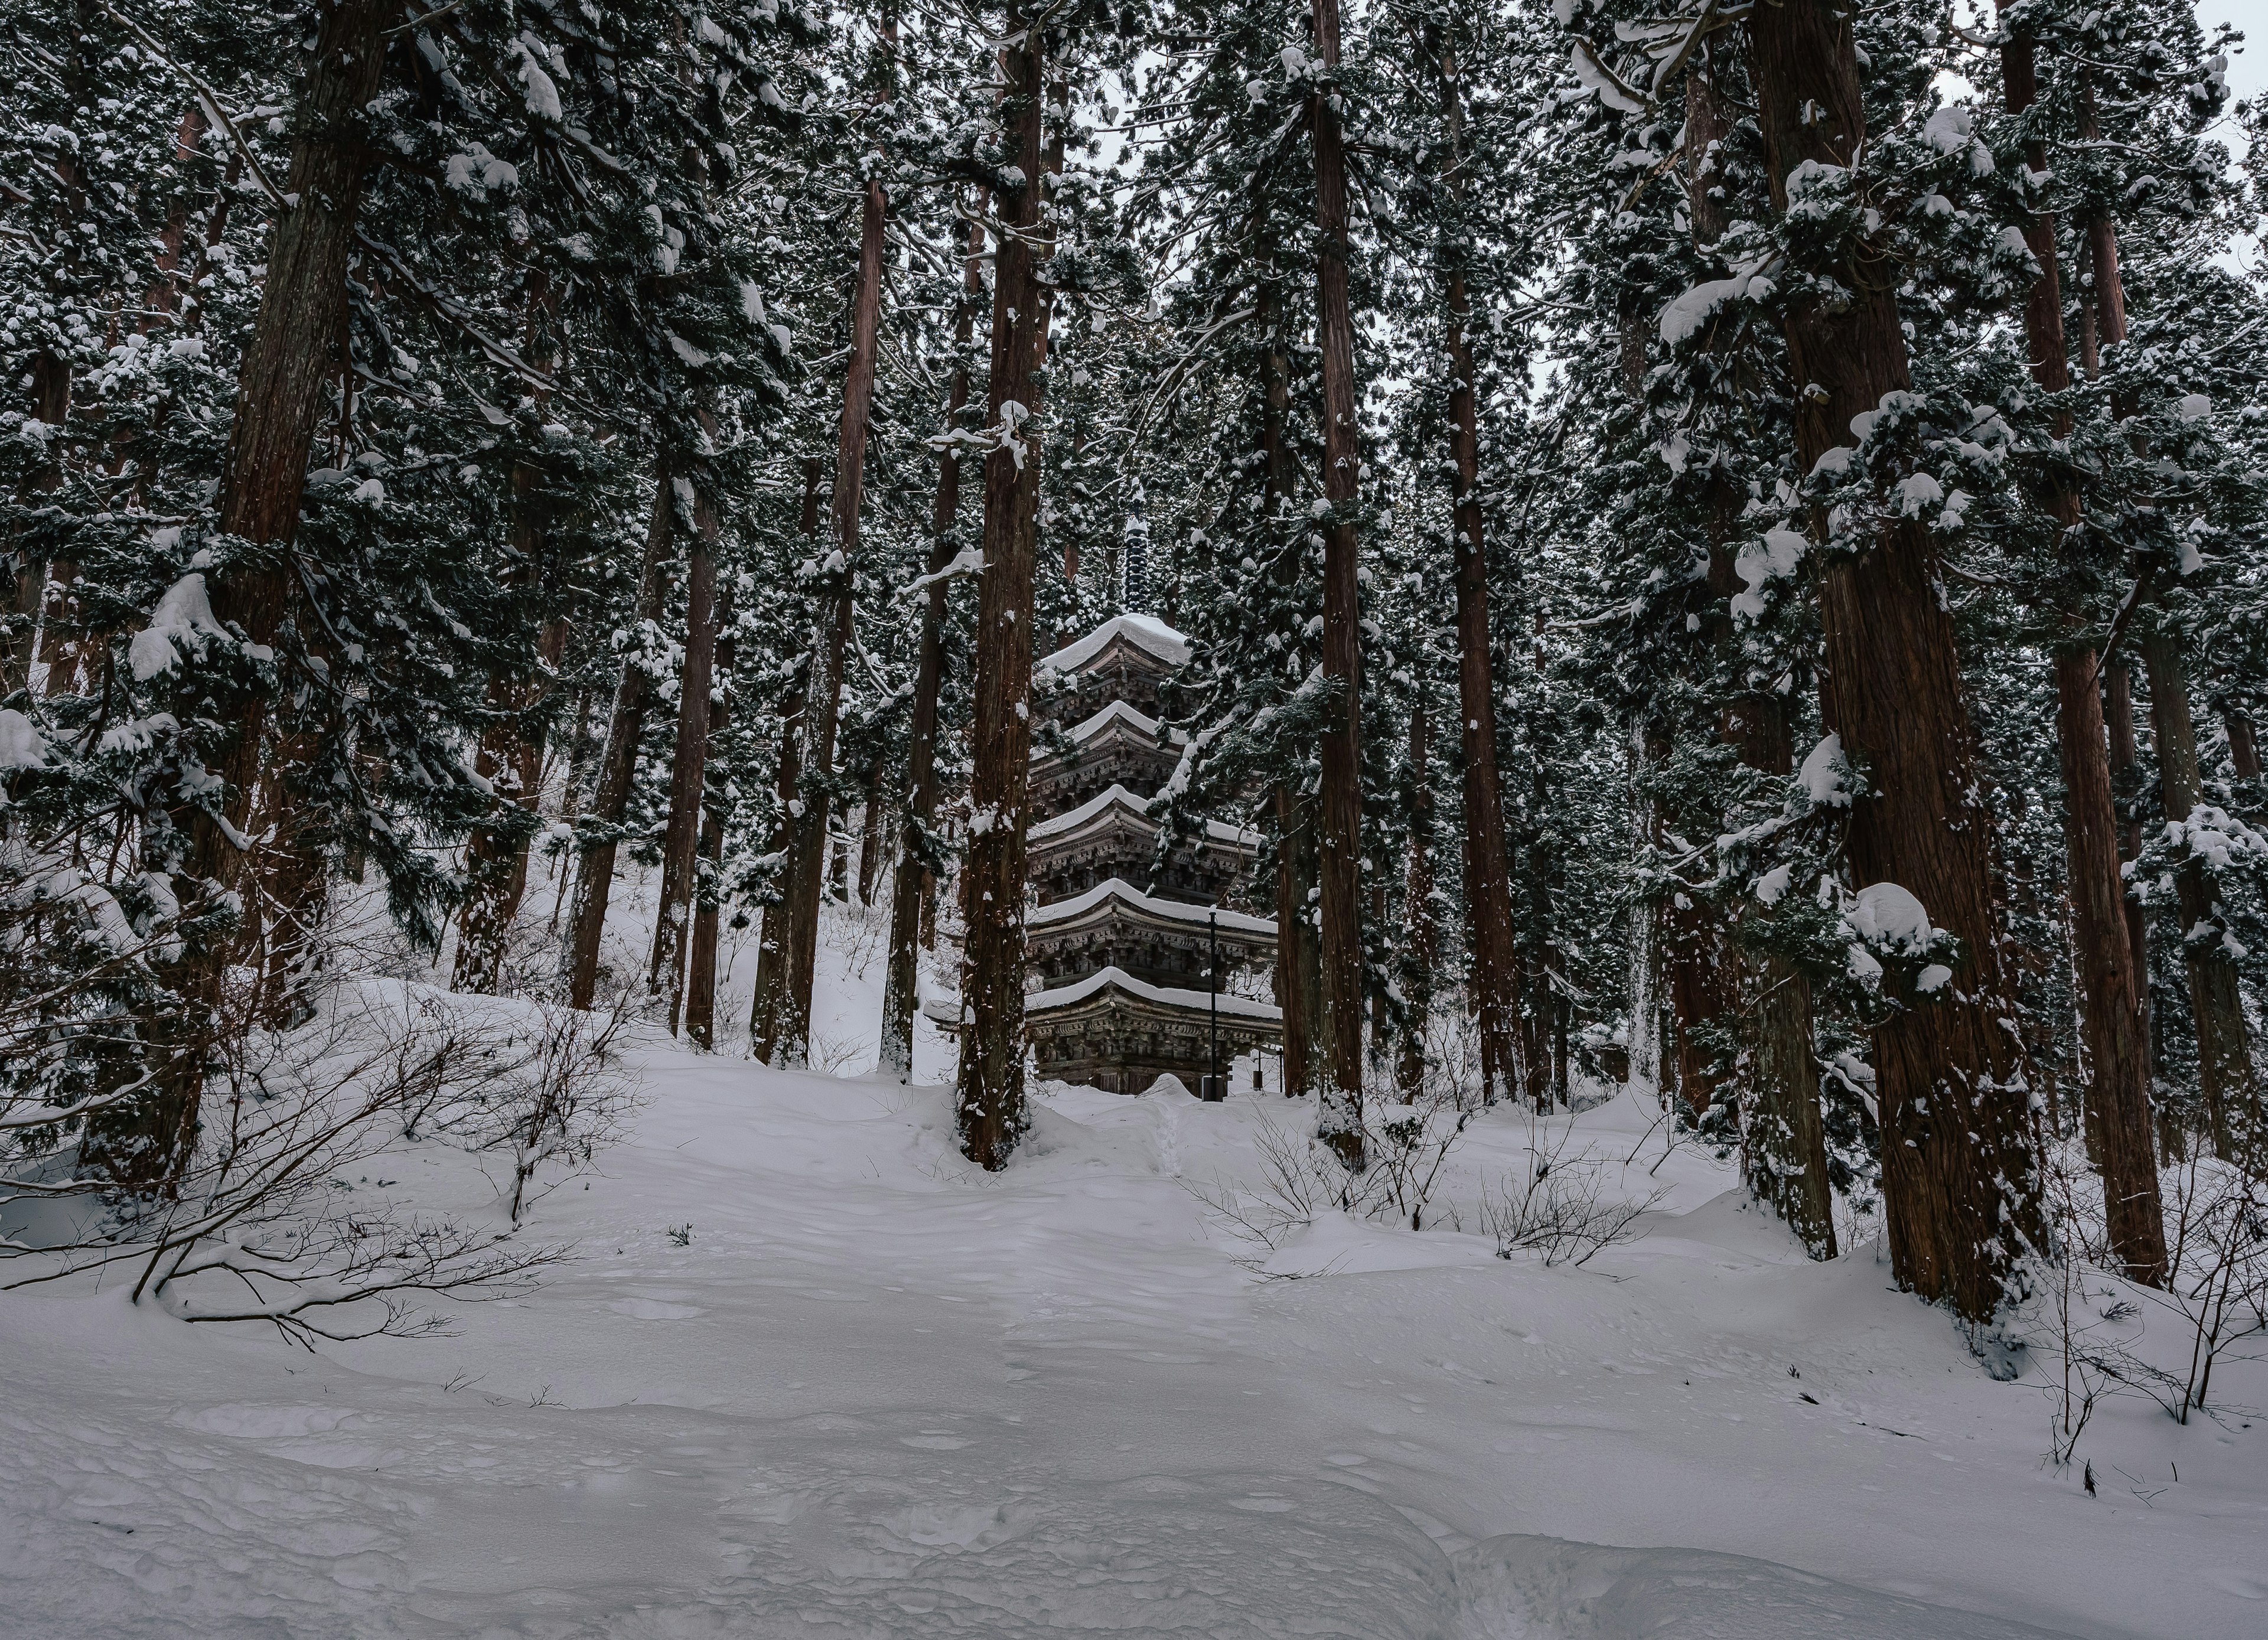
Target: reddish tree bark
(1495, 977)
(287, 367)
(1339, 1110)
(916, 861)
(2226, 1073)
(595, 873)
(2111, 1018)
(2125, 784)
(2244, 747)
(766, 1008)
(1417, 908)
(1961, 1183)
(990, 1096)
(700, 977)
(810, 839)
(680, 837)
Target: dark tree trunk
(917, 853)
(2126, 788)
(571, 795)
(510, 757)
(1297, 979)
(1649, 1065)
(601, 837)
(51, 385)
(1496, 978)
(510, 752)
(767, 1009)
(2244, 747)
(1339, 1110)
(1702, 969)
(2225, 1070)
(991, 1106)
(287, 367)
(870, 841)
(1783, 1137)
(708, 889)
(1418, 911)
(812, 835)
(2112, 1016)
(680, 837)
(1960, 1182)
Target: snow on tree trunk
(1960, 1180)
(601, 835)
(2111, 983)
(1338, 1110)
(701, 975)
(2225, 1069)
(680, 838)
(1496, 978)
(1418, 910)
(767, 1008)
(283, 389)
(917, 857)
(990, 1096)
(809, 846)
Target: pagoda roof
(1132, 716)
(943, 1008)
(1145, 633)
(1131, 806)
(1172, 997)
(1080, 906)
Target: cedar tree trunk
(1960, 1176)
(601, 834)
(990, 1100)
(812, 834)
(1339, 1108)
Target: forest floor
(811, 1373)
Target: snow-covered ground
(866, 1390)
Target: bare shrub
(1295, 1187)
(1560, 1206)
(263, 1223)
(1408, 1146)
(834, 1056)
(2215, 1297)
(2219, 1259)
(556, 1095)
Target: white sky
(2247, 68)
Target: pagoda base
(1114, 1032)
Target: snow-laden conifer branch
(207, 99)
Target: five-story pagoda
(1127, 957)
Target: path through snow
(878, 1394)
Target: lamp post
(1213, 1088)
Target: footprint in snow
(266, 1422)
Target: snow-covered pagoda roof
(1171, 997)
(1082, 907)
(1120, 712)
(1146, 633)
(1116, 802)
